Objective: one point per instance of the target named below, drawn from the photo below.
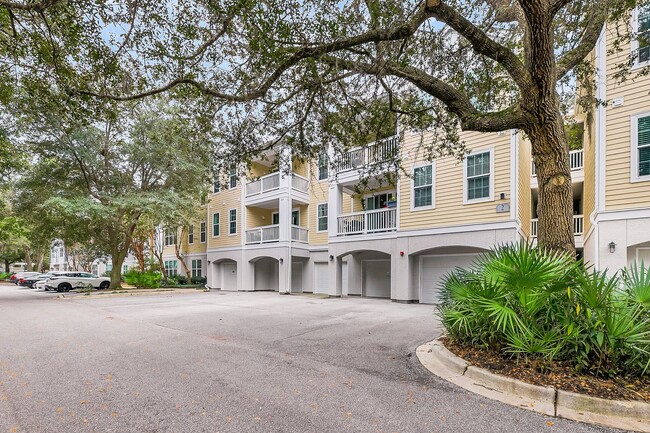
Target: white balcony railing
(266, 183)
(380, 220)
(299, 234)
(379, 151)
(260, 235)
(576, 161)
(299, 183)
(578, 226)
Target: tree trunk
(555, 202)
(29, 265)
(177, 249)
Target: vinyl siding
(197, 246)
(222, 202)
(448, 183)
(524, 202)
(318, 193)
(589, 187)
(620, 192)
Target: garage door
(433, 268)
(229, 275)
(321, 278)
(296, 277)
(376, 278)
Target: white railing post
(533, 227)
(578, 225)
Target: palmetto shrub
(525, 301)
(143, 279)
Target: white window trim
(297, 209)
(326, 217)
(274, 214)
(190, 226)
(212, 225)
(433, 187)
(634, 42)
(214, 190)
(491, 196)
(229, 211)
(206, 233)
(233, 174)
(634, 149)
(327, 169)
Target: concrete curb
(627, 415)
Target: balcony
(379, 151)
(264, 234)
(578, 226)
(374, 221)
(576, 161)
(271, 182)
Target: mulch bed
(561, 375)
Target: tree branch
(481, 42)
(38, 6)
(455, 101)
(590, 36)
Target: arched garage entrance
(366, 273)
(432, 265)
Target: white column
(335, 272)
(334, 207)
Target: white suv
(76, 280)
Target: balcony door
(295, 217)
(380, 201)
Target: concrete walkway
(231, 362)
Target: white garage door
(376, 278)
(229, 275)
(321, 278)
(433, 268)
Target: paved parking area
(231, 362)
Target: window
(109, 267)
(232, 221)
(233, 178)
(323, 169)
(190, 234)
(640, 151)
(203, 232)
(322, 217)
(641, 33)
(423, 186)
(215, 225)
(478, 177)
(381, 201)
(216, 185)
(295, 217)
(125, 268)
(171, 268)
(196, 268)
(170, 236)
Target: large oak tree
(271, 71)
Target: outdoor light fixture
(502, 196)
(209, 262)
(401, 253)
(612, 247)
(281, 260)
(331, 257)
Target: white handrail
(372, 153)
(378, 220)
(299, 234)
(578, 226)
(300, 183)
(260, 235)
(576, 161)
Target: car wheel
(104, 285)
(64, 287)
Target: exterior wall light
(612, 247)
(331, 257)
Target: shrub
(199, 280)
(4, 275)
(525, 301)
(147, 279)
(181, 279)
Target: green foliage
(574, 135)
(146, 280)
(526, 301)
(5, 275)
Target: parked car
(67, 281)
(15, 278)
(31, 280)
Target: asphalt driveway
(231, 362)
